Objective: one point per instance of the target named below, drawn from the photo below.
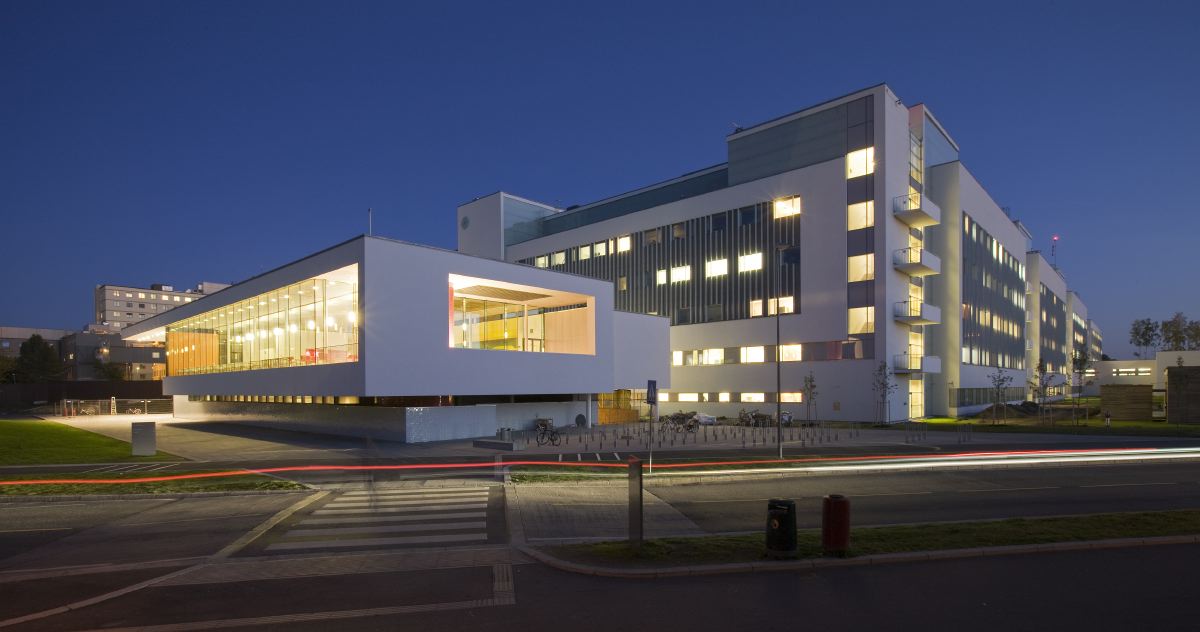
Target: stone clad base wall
(1132, 402)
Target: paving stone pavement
(565, 512)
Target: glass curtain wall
(311, 322)
(481, 324)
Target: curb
(866, 560)
(164, 495)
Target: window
(153, 296)
(751, 355)
(787, 207)
(542, 261)
(116, 294)
(175, 298)
(710, 357)
(750, 263)
(754, 398)
(141, 295)
(661, 277)
(722, 397)
(687, 397)
(862, 320)
(791, 398)
(717, 223)
(679, 231)
(622, 283)
(585, 253)
(652, 236)
(789, 353)
(860, 163)
(681, 273)
(756, 309)
(559, 258)
(676, 358)
(600, 249)
(187, 300)
(747, 216)
(861, 268)
(154, 354)
(717, 267)
(623, 243)
(786, 305)
(861, 215)
(663, 396)
(129, 295)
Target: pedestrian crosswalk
(392, 518)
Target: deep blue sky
(177, 142)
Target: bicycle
(546, 433)
(134, 411)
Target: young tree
(8, 369)
(1040, 384)
(1000, 382)
(810, 395)
(1144, 335)
(38, 362)
(1173, 333)
(884, 386)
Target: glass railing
(909, 255)
(903, 203)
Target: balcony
(917, 262)
(917, 313)
(916, 363)
(916, 210)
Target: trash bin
(504, 434)
(835, 525)
(781, 528)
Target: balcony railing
(916, 362)
(916, 210)
(917, 313)
(917, 262)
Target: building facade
(454, 346)
(118, 306)
(845, 245)
(12, 337)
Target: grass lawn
(222, 484)
(874, 540)
(1093, 426)
(35, 441)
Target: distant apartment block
(119, 306)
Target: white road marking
(397, 528)
(1130, 484)
(407, 498)
(406, 503)
(380, 510)
(341, 544)
(370, 519)
(417, 492)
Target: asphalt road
(1125, 589)
(931, 496)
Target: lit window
(712, 356)
(862, 320)
(750, 263)
(786, 305)
(789, 353)
(585, 252)
(175, 298)
(722, 397)
(559, 258)
(682, 273)
(787, 207)
(600, 249)
(860, 162)
(678, 231)
(751, 355)
(676, 358)
(623, 243)
(756, 309)
(663, 396)
(791, 398)
(141, 295)
(687, 397)
(754, 398)
(861, 268)
(542, 261)
(116, 294)
(187, 300)
(662, 277)
(622, 283)
(861, 215)
(129, 295)
(718, 267)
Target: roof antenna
(370, 231)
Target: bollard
(835, 525)
(635, 502)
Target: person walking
(1108, 419)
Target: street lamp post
(778, 355)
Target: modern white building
(837, 242)
(392, 340)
